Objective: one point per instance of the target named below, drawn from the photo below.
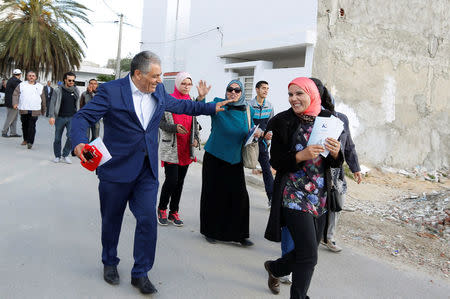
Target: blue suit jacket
(126, 139)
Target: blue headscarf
(241, 101)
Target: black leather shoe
(143, 284)
(246, 243)
(15, 135)
(210, 240)
(111, 275)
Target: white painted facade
(88, 72)
(218, 41)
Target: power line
(110, 8)
(118, 14)
(184, 38)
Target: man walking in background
(11, 113)
(29, 98)
(48, 90)
(263, 113)
(84, 99)
(62, 107)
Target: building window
(169, 81)
(247, 81)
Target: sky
(102, 35)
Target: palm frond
(34, 36)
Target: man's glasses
(236, 90)
(69, 80)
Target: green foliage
(125, 63)
(33, 36)
(105, 78)
(347, 171)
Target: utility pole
(119, 47)
(175, 39)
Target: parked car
(2, 99)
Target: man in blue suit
(132, 108)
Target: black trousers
(173, 186)
(28, 127)
(306, 232)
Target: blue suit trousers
(140, 195)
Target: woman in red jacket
(179, 136)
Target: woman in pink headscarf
(179, 136)
(301, 186)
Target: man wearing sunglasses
(63, 106)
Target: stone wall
(388, 63)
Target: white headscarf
(180, 78)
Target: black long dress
(224, 204)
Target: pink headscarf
(311, 89)
(178, 79)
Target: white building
(218, 41)
(88, 71)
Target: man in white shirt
(29, 98)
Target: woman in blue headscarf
(224, 204)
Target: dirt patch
(399, 219)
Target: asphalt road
(50, 243)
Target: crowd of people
(30, 99)
(145, 127)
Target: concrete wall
(387, 63)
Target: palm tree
(34, 36)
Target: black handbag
(335, 199)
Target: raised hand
(202, 89)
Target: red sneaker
(175, 219)
(162, 217)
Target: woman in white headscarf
(179, 136)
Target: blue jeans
(60, 124)
(287, 244)
(263, 159)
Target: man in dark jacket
(63, 107)
(48, 90)
(11, 114)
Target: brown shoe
(273, 282)
(23, 143)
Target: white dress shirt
(144, 104)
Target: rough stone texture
(389, 62)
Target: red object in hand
(93, 157)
